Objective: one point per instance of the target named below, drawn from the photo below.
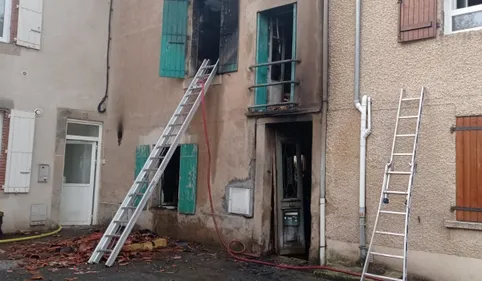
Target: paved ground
(192, 266)
(194, 263)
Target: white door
(79, 180)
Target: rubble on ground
(75, 251)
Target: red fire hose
(236, 254)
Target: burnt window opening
(215, 34)
(169, 183)
(281, 48)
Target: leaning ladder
(388, 189)
(121, 225)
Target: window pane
(2, 16)
(82, 129)
(78, 163)
(467, 21)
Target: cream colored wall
(144, 102)
(449, 68)
(68, 72)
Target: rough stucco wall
(68, 71)
(144, 102)
(447, 68)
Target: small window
(463, 15)
(169, 183)
(85, 130)
(5, 13)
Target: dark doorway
(292, 189)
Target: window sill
(9, 48)
(463, 225)
(217, 80)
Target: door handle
(25, 172)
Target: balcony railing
(288, 104)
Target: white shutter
(19, 152)
(30, 23)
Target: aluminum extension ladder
(124, 220)
(390, 216)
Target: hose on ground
(31, 237)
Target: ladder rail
(117, 223)
(367, 258)
(413, 169)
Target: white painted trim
(450, 11)
(95, 213)
(98, 140)
(81, 138)
(7, 21)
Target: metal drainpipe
(365, 130)
(324, 124)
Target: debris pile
(71, 252)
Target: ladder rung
(175, 124)
(382, 277)
(105, 250)
(136, 194)
(150, 169)
(145, 181)
(408, 117)
(112, 235)
(399, 173)
(406, 135)
(390, 233)
(387, 255)
(129, 208)
(157, 157)
(396, 192)
(186, 104)
(402, 154)
(393, 213)
(410, 99)
(208, 67)
(180, 114)
(118, 222)
(170, 135)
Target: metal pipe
(324, 125)
(273, 104)
(357, 54)
(273, 63)
(274, 84)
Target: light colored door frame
(97, 162)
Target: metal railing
(292, 82)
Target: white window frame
(450, 10)
(7, 21)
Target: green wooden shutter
(262, 56)
(229, 42)
(174, 37)
(188, 179)
(142, 154)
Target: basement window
(169, 183)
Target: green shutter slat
(188, 179)
(229, 39)
(142, 154)
(262, 56)
(174, 38)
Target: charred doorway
(292, 188)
